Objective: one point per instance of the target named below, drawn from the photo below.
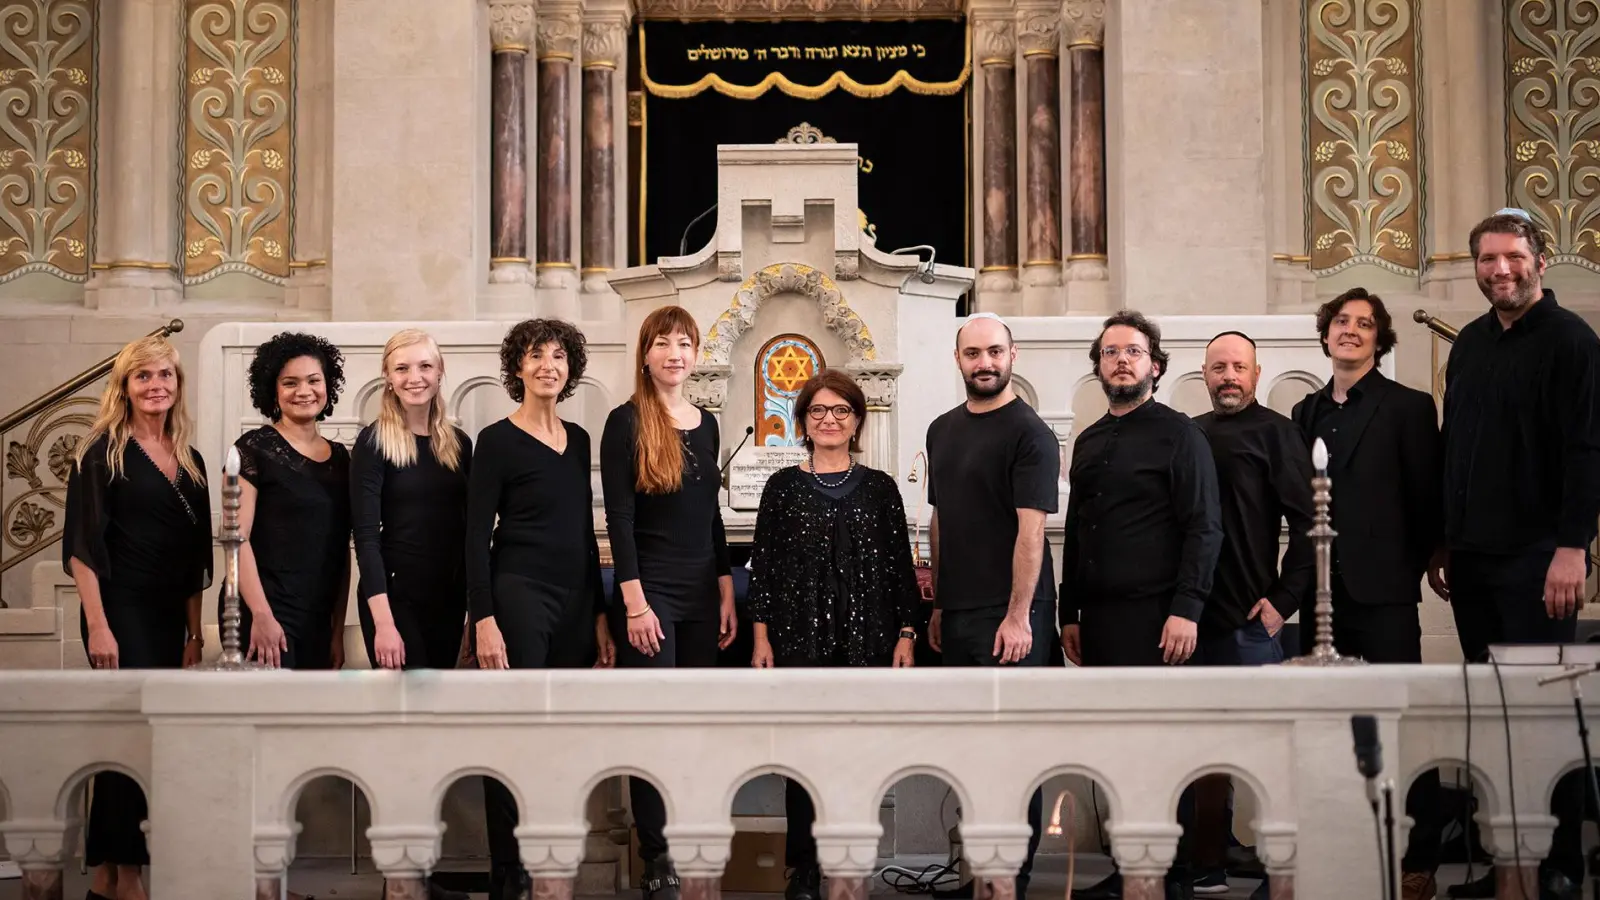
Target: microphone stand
(1392, 863)
(1572, 676)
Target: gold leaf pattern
(238, 100)
(32, 502)
(1553, 124)
(30, 523)
(46, 136)
(61, 456)
(21, 461)
(76, 248)
(1363, 132)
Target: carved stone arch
(787, 278)
(1025, 390)
(465, 388)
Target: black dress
(300, 537)
(148, 541)
(833, 580)
(533, 564)
(410, 529)
(675, 546)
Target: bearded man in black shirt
(1522, 473)
(994, 468)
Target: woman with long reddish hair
(674, 592)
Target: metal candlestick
(1322, 534)
(232, 658)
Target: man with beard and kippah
(1522, 476)
(1143, 529)
(994, 468)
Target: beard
(1523, 293)
(978, 391)
(1124, 394)
(1229, 403)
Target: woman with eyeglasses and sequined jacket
(831, 579)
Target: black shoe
(1181, 888)
(1556, 886)
(1022, 886)
(1107, 888)
(505, 883)
(436, 892)
(1263, 891)
(660, 881)
(1479, 889)
(962, 891)
(805, 883)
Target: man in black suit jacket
(1383, 452)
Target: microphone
(683, 242)
(1369, 751)
(1369, 762)
(748, 430)
(924, 269)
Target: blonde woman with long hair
(408, 503)
(674, 603)
(137, 543)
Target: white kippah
(1514, 211)
(985, 315)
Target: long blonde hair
(395, 441)
(660, 460)
(114, 421)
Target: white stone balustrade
(223, 757)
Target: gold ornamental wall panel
(47, 132)
(238, 138)
(1553, 122)
(1363, 138)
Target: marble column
(557, 45)
(551, 855)
(405, 855)
(1039, 33)
(1276, 845)
(604, 42)
(847, 855)
(39, 849)
(309, 282)
(1086, 29)
(1143, 854)
(274, 851)
(510, 26)
(700, 854)
(997, 48)
(880, 384)
(137, 232)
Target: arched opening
(772, 813)
(478, 812)
(1075, 846)
(112, 804)
(1289, 389)
(921, 843)
(1189, 395)
(630, 810)
(332, 856)
(1445, 801)
(1571, 802)
(1219, 812)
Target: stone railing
(223, 757)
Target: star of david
(789, 368)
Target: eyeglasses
(840, 412)
(1134, 352)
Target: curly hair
(1144, 325)
(1329, 311)
(527, 336)
(1518, 224)
(276, 353)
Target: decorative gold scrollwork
(33, 517)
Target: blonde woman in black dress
(137, 543)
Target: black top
(1522, 433)
(412, 518)
(672, 543)
(1143, 517)
(545, 506)
(145, 538)
(300, 534)
(1383, 459)
(983, 467)
(832, 577)
(1263, 478)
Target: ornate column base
(1280, 887)
(508, 271)
(847, 854)
(556, 290)
(1275, 843)
(699, 888)
(1144, 853)
(1514, 882)
(44, 883)
(1143, 887)
(407, 888)
(1088, 268)
(551, 888)
(1000, 887)
(405, 855)
(132, 286)
(849, 887)
(1041, 290)
(1001, 280)
(1042, 274)
(269, 887)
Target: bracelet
(635, 615)
(197, 639)
(908, 633)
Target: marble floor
(331, 880)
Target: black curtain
(897, 89)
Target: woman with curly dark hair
(294, 508)
(533, 577)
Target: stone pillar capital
(274, 849)
(1145, 850)
(1039, 29)
(35, 843)
(700, 851)
(605, 39)
(995, 851)
(996, 35)
(510, 25)
(1533, 830)
(551, 851)
(1275, 842)
(707, 387)
(880, 382)
(848, 851)
(557, 33)
(405, 851)
(1085, 22)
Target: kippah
(1514, 211)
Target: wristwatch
(909, 634)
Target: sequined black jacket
(832, 579)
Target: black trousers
(966, 638)
(545, 627)
(429, 613)
(1500, 600)
(150, 634)
(310, 643)
(688, 645)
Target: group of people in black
(486, 554)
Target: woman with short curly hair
(294, 508)
(533, 563)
